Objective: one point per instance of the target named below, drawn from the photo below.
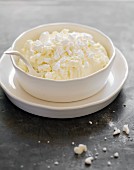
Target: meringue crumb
(105, 138)
(56, 163)
(116, 155)
(104, 149)
(80, 149)
(116, 131)
(95, 157)
(89, 160)
(109, 163)
(73, 143)
(84, 147)
(90, 122)
(96, 153)
(126, 129)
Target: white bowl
(63, 90)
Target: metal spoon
(30, 68)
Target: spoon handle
(30, 68)
(20, 55)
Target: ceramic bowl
(63, 90)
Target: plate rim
(69, 107)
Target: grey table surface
(20, 132)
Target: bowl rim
(64, 23)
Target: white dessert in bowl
(73, 60)
(64, 55)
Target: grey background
(20, 131)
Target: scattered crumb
(95, 149)
(89, 155)
(116, 155)
(113, 111)
(73, 143)
(96, 157)
(131, 139)
(56, 163)
(90, 123)
(116, 131)
(34, 164)
(38, 141)
(111, 156)
(48, 141)
(104, 149)
(126, 129)
(96, 153)
(22, 166)
(89, 160)
(96, 123)
(80, 149)
(109, 163)
(105, 138)
(84, 147)
(48, 166)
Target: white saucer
(87, 106)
